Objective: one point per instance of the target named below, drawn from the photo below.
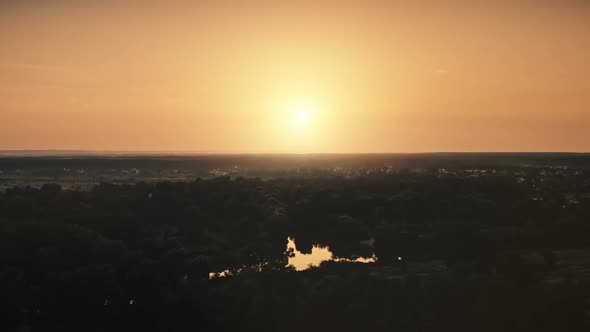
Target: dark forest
(502, 247)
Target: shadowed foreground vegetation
(482, 251)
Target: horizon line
(90, 152)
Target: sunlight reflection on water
(301, 261)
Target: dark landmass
(78, 171)
(463, 242)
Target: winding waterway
(301, 261)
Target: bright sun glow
(298, 126)
(302, 115)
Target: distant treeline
(285, 162)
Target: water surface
(301, 261)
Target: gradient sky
(230, 76)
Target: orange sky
(228, 76)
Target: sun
(302, 115)
(298, 127)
